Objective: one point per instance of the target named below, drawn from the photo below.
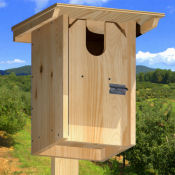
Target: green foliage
(24, 85)
(14, 102)
(12, 116)
(89, 168)
(26, 99)
(113, 167)
(155, 148)
(164, 157)
(38, 165)
(157, 76)
(154, 131)
(149, 91)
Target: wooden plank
(22, 31)
(49, 84)
(148, 25)
(96, 26)
(111, 151)
(95, 116)
(60, 166)
(131, 45)
(83, 151)
(74, 152)
(79, 8)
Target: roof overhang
(145, 20)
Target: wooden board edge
(149, 25)
(65, 28)
(22, 32)
(110, 9)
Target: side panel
(95, 115)
(49, 84)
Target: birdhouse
(84, 79)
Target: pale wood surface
(49, 84)
(22, 33)
(85, 151)
(95, 115)
(60, 166)
(23, 30)
(92, 124)
(150, 24)
(96, 27)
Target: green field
(154, 153)
(36, 165)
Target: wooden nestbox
(83, 79)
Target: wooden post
(60, 166)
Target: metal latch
(118, 89)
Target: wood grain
(83, 151)
(49, 83)
(23, 30)
(73, 115)
(64, 166)
(22, 33)
(95, 115)
(150, 24)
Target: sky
(154, 49)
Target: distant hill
(3, 72)
(140, 68)
(26, 70)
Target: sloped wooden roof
(145, 20)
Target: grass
(89, 168)
(35, 165)
(22, 150)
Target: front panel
(95, 114)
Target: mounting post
(60, 166)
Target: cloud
(40, 4)
(164, 59)
(91, 2)
(12, 61)
(171, 9)
(2, 4)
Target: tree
(157, 76)
(12, 116)
(154, 128)
(141, 76)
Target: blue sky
(154, 49)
